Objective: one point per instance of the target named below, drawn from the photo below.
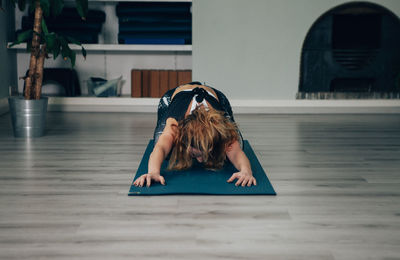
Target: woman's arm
(159, 153)
(239, 159)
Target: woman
(196, 122)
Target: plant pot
(28, 116)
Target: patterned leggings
(163, 109)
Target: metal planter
(28, 116)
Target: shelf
(108, 104)
(121, 47)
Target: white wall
(251, 49)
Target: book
(184, 77)
(172, 79)
(145, 83)
(136, 83)
(164, 82)
(154, 84)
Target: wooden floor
(64, 196)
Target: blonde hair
(206, 130)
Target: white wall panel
(251, 49)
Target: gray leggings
(163, 112)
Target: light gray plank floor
(64, 196)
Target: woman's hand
(147, 178)
(239, 159)
(244, 178)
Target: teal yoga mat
(199, 181)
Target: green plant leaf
(50, 40)
(82, 8)
(64, 46)
(45, 4)
(56, 7)
(21, 5)
(66, 52)
(73, 58)
(73, 40)
(56, 48)
(44, 28)
(84, 52)
(22, 37)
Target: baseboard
(3, 105)
(93, 104)
(88, 104)
(354, 106)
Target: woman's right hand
(147, 177)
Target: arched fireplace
(352, 51)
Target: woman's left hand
(244, 178)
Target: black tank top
(181, 101)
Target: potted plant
(28, 113)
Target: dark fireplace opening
(352, 85)
(356, 31)
(352, 51)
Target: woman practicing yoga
(196, 122)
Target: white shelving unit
(108, 59)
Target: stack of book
(154, 83)
(154, 22)
(69, 23)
